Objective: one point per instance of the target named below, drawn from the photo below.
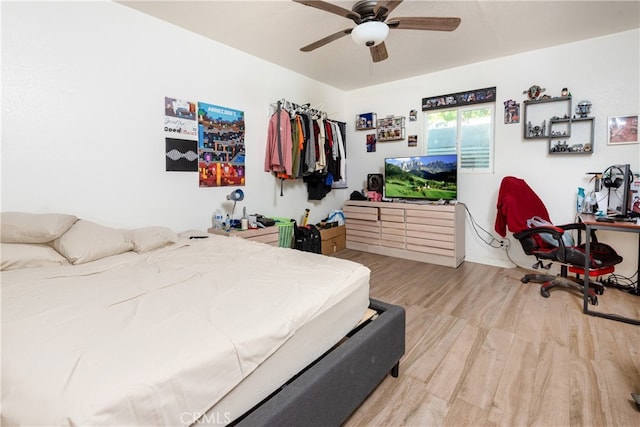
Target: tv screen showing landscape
(421, 177)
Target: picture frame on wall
(622, 130)
(366, 121)
(390, 129)
(371, 143)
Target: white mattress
(159, 338)
(338, 316)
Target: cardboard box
(333, 239)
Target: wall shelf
(579, 130)
(550, 119)
(537, 113)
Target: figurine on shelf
(536, 131)
(560, 147)
(534, 92)
(583, 108)
(565, 92)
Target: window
(465, 131)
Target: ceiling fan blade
(384, 8)
(326, 40)
(332, 8)
(424, 23)
(379, 52)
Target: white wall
(82, 105)
(603, 70)
(84, 84)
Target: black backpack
(307, 238)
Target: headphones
(612, 183)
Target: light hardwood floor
(483, 349)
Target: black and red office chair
(517, 205)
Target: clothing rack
(294, 108)
(319, 160)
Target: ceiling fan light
(370, 33)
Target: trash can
(285, 231)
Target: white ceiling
(275, 30)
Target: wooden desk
(621, 226)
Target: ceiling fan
(372, 28)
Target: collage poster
(221, 152)
(181, 135)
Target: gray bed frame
(328, 391)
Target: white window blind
(467, 132)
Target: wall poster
(181, 135)
(390, 129)
(623, 130)
(371, 143)
(221, 150)
(366, 121)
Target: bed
(103, 326)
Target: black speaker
(375, 182)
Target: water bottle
(580, 200)
(244, 221)
(217, 219)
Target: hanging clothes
(278, 157)
(341, 153)
(317, 187)
(297, 135)
(331, 150)
(321, 155)
(303, 144)
(310, 147)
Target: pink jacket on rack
(278, 159)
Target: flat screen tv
(421, 177)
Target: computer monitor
(617, 179)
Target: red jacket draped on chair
(517, 202)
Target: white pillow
(22, 227)
(87, 241)
(148, 238)
(20, 255)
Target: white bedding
(143, 339)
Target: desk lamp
(236, 196)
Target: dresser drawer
(368, 237)
(392, 215)
(432, 243)
(422, 230)
(361, 212)
(393, 240)
(272, 239)
(434, 250)
(392, 225)
(445, 219)
(361, 225)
